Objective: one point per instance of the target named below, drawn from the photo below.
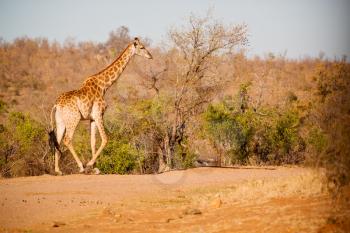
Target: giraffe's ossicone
(87, 103)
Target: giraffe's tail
(52, 115)
(53, 143)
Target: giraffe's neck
(111, 73)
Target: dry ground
(196, 200)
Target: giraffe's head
(140, 49)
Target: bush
(23, 146)
(117, 158)
(3, 107)
(25, 131)
(246, 136)
(184, 157)
(330, 140)
(232, 130)
(286, 140)
(81, 142)
(142, 124)
(317, 140)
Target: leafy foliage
(3, 106)
(273, 138)
(23, 144)
(117, 158)
(317, 140)
(330, 117)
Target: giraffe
(87, 103)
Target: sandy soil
(195, 200)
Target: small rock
(117, 217)
(168, 220)
(192, 211)
(108, 212)
(58, 224)
(216, 203)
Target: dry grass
(308, 184)
(299, 203)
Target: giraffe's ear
(136, 41)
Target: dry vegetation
(200, 98)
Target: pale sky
(298, 27)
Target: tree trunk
(163, 167)
(164, 155)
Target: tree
(331, 116)
(117, 39)
(192, 78)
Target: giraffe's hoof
(91, 170)
(88, 169)
(81, 170)
(96, 171)
(58, 173)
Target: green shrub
(243, 135)
(81, 142)
(285, 136)
(23, 146)
(26, 131)
(232, 130)
(270, 138)
(263, 147)
(3, 107)
(143, 125)
(317, 140)
(184, 157)
(117, 158)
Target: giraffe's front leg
(93, 137)
(89, 168)
(100, 127)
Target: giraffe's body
(88, 103)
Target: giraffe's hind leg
(93, 137)
(60, 128)
(71, 125)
